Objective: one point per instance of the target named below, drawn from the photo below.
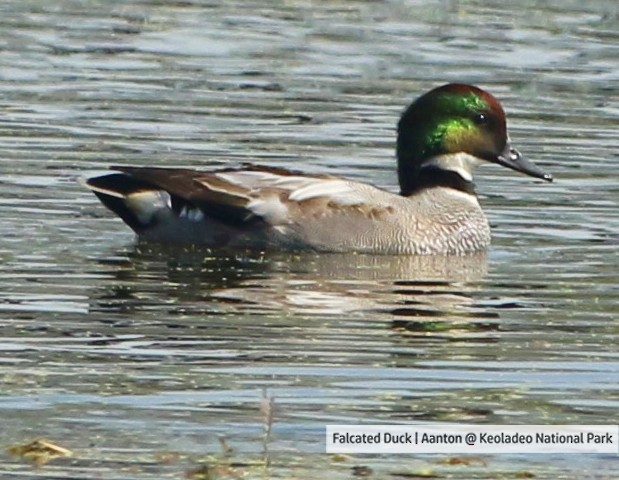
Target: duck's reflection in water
(402, 289)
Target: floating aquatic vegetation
(40, 451)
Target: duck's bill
(512, 158)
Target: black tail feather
(113, 189)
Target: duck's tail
(137, 202)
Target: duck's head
(446, 132)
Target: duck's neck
(450, 171)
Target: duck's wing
(233, 196)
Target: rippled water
(140, 358)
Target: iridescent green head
(456, 123)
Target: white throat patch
(461, 163)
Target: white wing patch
(299, 188)
(248, 179)
(266, 202)
(257, 180)
(338, 191)
(270, 208)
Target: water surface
(140, 358)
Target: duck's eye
(480, 118)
